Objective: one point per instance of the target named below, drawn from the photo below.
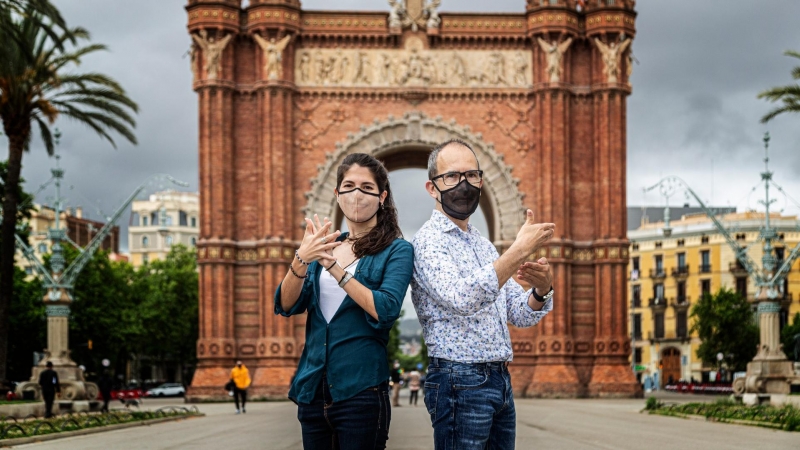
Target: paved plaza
(542, 425)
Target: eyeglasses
(473, 177)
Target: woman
(352, 285)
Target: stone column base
(268, 383)
(555, 381)
(614, 381)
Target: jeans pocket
(472, 379)
(431, 397)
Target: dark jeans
(237, 394)
(412, 398)
(471, 405)
(358, 423)
(48, 403)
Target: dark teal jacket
(352, 348)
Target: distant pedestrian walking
(105, 384)
(396, 376)
(413, 386)
(48, 380)
(241, 381)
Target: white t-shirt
(331, 295)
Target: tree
(167, 292)
(789, 94)
(393, 346)
(725, 324)
(28, 323)
(789, 336)
(38, 83)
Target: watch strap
(542, 298)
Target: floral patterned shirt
(462, 310)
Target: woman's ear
(384, 194)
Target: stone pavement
(541, 425)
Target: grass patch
(726, 410)
(71, 422)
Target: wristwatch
(542, 298)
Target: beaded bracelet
(295, 273)
(297, 254)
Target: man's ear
(431, 188)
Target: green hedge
(785, 417)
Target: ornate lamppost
(59, 282)
(770, 372)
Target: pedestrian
(241, 381)
(396, 375)
(48, 380)
(413, 386)
(105, 383)
(352, 286)
(465, 294)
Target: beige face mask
(358, 206)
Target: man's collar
(445, 224)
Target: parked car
(167, 390)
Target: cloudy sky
(693, 113)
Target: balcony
(658, 274)
(657, 303)
(681, 302)
(705, 268)
(680, 272)
(737, 269)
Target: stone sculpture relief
(273, 55)
(612, 54)
(212, 51)
(412, 67)
(414, 14)
(554, 53)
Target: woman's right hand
(317, 244)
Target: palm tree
(49, 17)
(38, 83)
(789, 94)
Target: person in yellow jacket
(241, 380)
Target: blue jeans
(471, 405)
(358, 423)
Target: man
(106, 384)
(396, 376)
(48, 380)
(464, 295)
(241, 380)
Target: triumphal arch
(285, 94)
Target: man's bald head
(433, 159)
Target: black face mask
(460, 201)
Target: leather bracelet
(297, 255)
(542, 298)
(331, 266)
(295, 273)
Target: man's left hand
(536, 274)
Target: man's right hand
(532, 235)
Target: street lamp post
(770, 372)
(59, 282)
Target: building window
(144, 221)
(154, 218)
(636, 247)
(145, 258)
(168, 240)
(681, 292)
(705, 286)
(145, 242)
(194, 242)
(680, 324)
(29, 270)
(637, 326)
(705, 261)
(659, 265)
(183, 219)
(637, 296)
(681, 261)
(741, 286)
(681, 242)
(658, 318)
(168, 221)
(780, 252)
(659, 244)
(637, 355)
(42, 248)
(635, 268)
(704, 239)
(658, 291)
(194, 222)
